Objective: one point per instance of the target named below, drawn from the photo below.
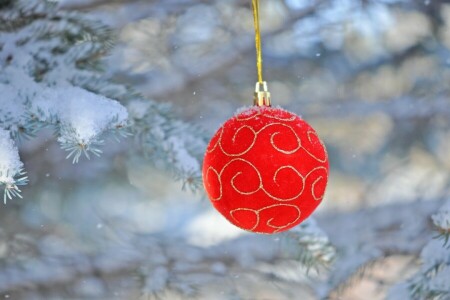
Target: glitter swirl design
(265, 170)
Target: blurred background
(372, 78)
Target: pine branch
(431, 282)
(311, 246)
(12, 174)
(376, 233)
(167, 142)
(442, 222)
(61, 50)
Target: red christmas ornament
(265, 170)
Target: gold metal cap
(262, 95)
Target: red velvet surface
(265, 170)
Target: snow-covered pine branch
(51, 76)
(442, 222)
(311, 245)
(167, 142)
(11, 168)
(371, 236)
(43, 52)
(433, 279)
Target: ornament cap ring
(262, 95)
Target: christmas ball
(265, 170)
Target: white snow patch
(88, 114)
(12, 110)
(442, 218)
(10, 163)
(249, 110)
(246, 110)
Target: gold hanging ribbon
(257, 40)
(262, 95)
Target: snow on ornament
(265, 170)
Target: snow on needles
(442, 218)
(41, 87)
(83, 115)
(432, 281)
(10, 163)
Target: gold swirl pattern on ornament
(309, 133)
(217, 142)
(313, 187)
(299, 142)
(268, 223)
(220, 183)
(255, 137)
(260, 185)
(257, 133)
